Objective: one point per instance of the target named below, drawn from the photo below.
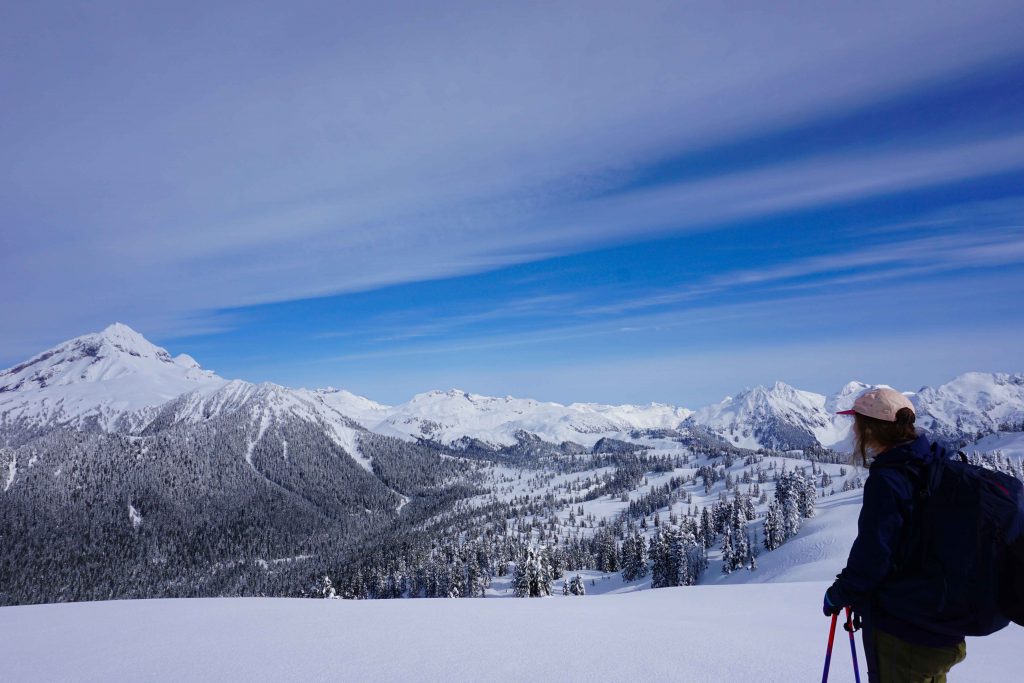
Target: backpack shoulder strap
(918, 473)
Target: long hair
(882, 434)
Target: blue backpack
(960, 567)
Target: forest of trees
(225, 507)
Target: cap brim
(847, 412)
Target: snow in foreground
(755, 632)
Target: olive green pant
(902, 662)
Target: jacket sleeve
(878, 534)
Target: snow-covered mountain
(96, 381)
(972, 405)
(263, 409)
(449, 416)
(961, 411)
(779, 417)
(117, 381)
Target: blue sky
(561, 200)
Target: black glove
(830, 605)
(854, 624)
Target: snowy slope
(95, 381)
(364, 411)
(1009, 444)
(447, 416)
(767, 632)
(817, 553)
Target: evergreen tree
(790, 517)
(659, 570)
(533, 576)
(706, 529)
(634, 562)
(728, 558)
(521, 578)
(694, 557)
(774, 530)
(806, 496)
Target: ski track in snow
(764, 633)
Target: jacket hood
(920, 450)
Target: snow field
(765, 632)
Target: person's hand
(855, 623)
(829, 605)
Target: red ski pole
(853, 644)
(828, 651)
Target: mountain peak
(853, 387)
(126, 340)
(115, 352)
(119, 329)
(762, 393)
(99, 377)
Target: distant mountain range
(126, 472)
(115, 381)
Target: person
(897, 646)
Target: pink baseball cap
(882, 404)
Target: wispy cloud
(791, 312)
(307, 158)
(886, 260)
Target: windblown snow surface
(765, 632)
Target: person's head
(882, 418)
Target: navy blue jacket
(888, 501)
